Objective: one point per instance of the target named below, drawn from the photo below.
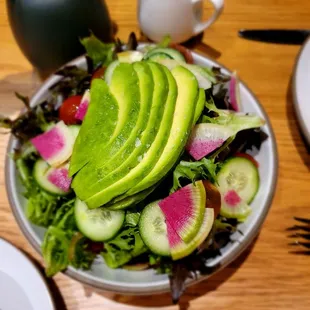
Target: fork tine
(302, 220)
(299, 227)
(296, 235)
(304, 244)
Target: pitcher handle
(218, 8)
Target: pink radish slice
(82, 109)
(232, 198)
(178, 207)
(184, 210)
(234, 93)
(173, 238)
(207, 137)
(55, 145)
(60, 178)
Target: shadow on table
(192, 292)
(25, 83)
(300, 142)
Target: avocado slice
(125, 88)
(127, 176)
(119, 204)
(200, 104)
(104, 167)
(181, 128)
(103, 110)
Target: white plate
(148, 282)
(301, 89)
(21, 284)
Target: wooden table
(266, 276)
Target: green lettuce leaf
(190, 172)
(41, 208)
(132, 218)
(55, 250)
(125, 246)
(99, 52)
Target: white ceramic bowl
(148, 282)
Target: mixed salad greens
(141, 158)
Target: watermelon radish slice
(207, 137)
(82, 109)
(180, 249)
(162, 239)
(234, 93)
(55, 145)
(53, 180)
(233, 206)
(60, 178)
(184, 210)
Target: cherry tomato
(249, 157)
(185, 52)
(99, 73)
(68, 109)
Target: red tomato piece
(185, 52)
(68, 109)
(249, 157)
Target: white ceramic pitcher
(181, 19)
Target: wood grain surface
(267, 276)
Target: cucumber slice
(162, 53)
(153, 229)
(41, 171)
(241, 175)
(99, 224)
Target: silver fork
(302, 232)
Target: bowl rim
(162, 286)
(296, 103)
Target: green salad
(142, 158)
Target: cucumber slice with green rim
(41, 171)
(241, 175)
(153, 229)
(99, 224)
(161, 53)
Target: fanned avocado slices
(156, 111)
(125, 88)
(126, 176)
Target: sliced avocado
(200, 104)
(126, 176)
(125, 88)
(119, 204)
(103, 110)
(100, 169)
(180, 130)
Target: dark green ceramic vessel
(48, 31)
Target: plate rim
(300, 119)
(34, 268)
(159, 288)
